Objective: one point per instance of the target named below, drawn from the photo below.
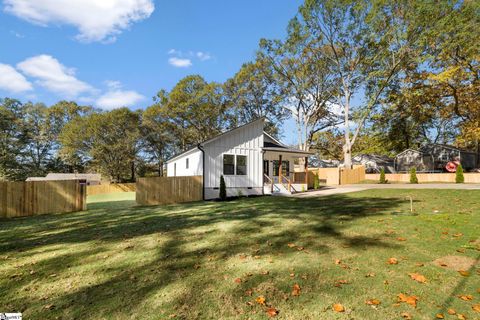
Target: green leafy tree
(459, 178)
(223, 189)
(107, 142)
(413, 176)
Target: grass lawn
(213, 260)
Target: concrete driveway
(329, 190)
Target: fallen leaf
(338, 261)
(461, 250)
(339, 283)
(265, 272)
(439, 316)
(260, 300)
(464, 273)
(476, 307)
(296, 290)
(461, 317)
(291, 245)
(418, 277)
(457, 235)
(249, 292)
(411, 300)
(338, 307)
(373, 302)
(371, 274)
(451, 312)
(300, 248)
(401, 239)
(292, 275)
(238, 280)
(272, 312)
(406, 315)
(466, 297)
(419, 264)
(49, 307)
(392, 261)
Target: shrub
(459, 178)
(316, 182)
(382, 176)
(413, 175)
(223, 189)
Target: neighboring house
(249, 160)
(373, 163)
(433, 158)
(86, 178)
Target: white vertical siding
(248, 141)
(195, 164)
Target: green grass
(121, 261)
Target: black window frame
(232, 165)
(237, 165)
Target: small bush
(382, 176)
(223, 189)
(459, 178)
(413, 176)
(316, 182)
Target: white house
(248, 158)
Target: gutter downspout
(200, 147)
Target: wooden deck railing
(268, 180)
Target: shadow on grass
(323, 219)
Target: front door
(265, 167)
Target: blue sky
(102, 52)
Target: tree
(367, 44)
(382, 176)
(413, 176)
(459, 178)
(223, 189)
(107, 142)
(13, 139)
(252, 93)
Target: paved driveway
(326, 191)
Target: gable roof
(214, 138)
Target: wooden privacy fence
(167, 190)
(19, 199)
(426, 177)
(336, 176)
(110, 188)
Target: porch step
(278, 189)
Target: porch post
(280, 168)
(306, 171)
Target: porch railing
(268, 180)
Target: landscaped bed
(291, 258)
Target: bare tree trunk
(347, 147)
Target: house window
(228, 164)
(186, 163)
(241, 165)
(285, 168)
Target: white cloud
(179, 62)
(54, 76)
(96, 20)
(203, 56)
(116, 98)
(13, 81)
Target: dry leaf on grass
(296, 290)
(451, 312)
(406, 315)
(418, 277)
(411, 300)
(339, 283)
(392, 261)
(439, 316)
(461, 317)
(466, 297)
(476, 307)
(238, 280)
(337, 307)
(401, 239)
(464, 273)
(371, 274)
(291, 245)
(249, 292)
(260, 300)
(272, 312)
(338, 261)
(373, 302)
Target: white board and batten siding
(177, 167)
(246, 140)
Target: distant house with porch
(251, 161)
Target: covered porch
(278, 170)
